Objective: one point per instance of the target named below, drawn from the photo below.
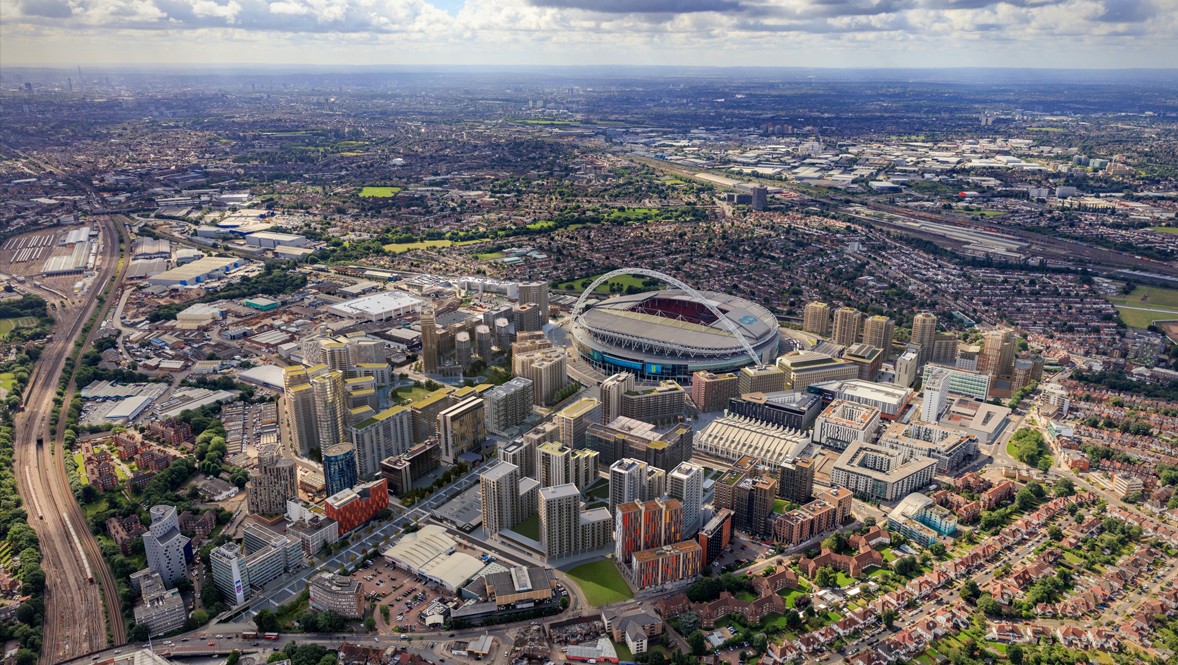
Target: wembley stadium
(671, 334)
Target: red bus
(249, 635)
(270, 636)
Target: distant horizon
(836, 34)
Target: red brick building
(353, 507)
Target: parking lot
(406, 595)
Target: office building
(890, 399)
(355, 506)
(804, 368)
(561, 465)
(313, 533)
(844, 422)
(383, 435)
(462, 428)
(429, 341)
(643, 525)
(846, 326)
(575, 418)
(878, 331)
(686, 484)
(508, 405)
(765, 379)
(160, 609)
(875, 472)
(263, 544)
(734, 437)
(535, 293)
(998, 349)
(167, 550)
(626, 437)
(951, 448)
(716, 535)
(816, 318)
(793, 410)
(273, 483)
(634, 480)
(924, 333)
(711, 391)
(503, 335)
(405, 470)
(795, 480)
(230, 575)
(760, 198)
(341, 594)
(339, 468)
(957, 381)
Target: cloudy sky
(806, 33)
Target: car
(451, 634)
(212, 644)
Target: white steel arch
(728, 325)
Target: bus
(270, 636)
(249, 635)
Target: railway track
(78, 581)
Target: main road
(82, 610)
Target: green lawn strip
(379, 192)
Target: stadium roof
(616, 316)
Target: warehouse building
(197, 273)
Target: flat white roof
(377, 303)
(452, 570)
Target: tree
(234, 656)
(370, 624)
(970, 591)
(888, 616)
(1014, 653)
(139, 633)
(698, 643)
(906, 566)
(989, 606)
(266, 621)
(937, 549)
(1063, 487)
(826, 577)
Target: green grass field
(1172, 230)
(489, 256)
(401, 247)
(622, 280)
(529, 528)
(1149, 298)
(411, 392)
(7, 381)
(379, 192)
(601, 582)
(8, 325)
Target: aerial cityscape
(579, 364)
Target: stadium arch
(677, 283)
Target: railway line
(79, 584)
